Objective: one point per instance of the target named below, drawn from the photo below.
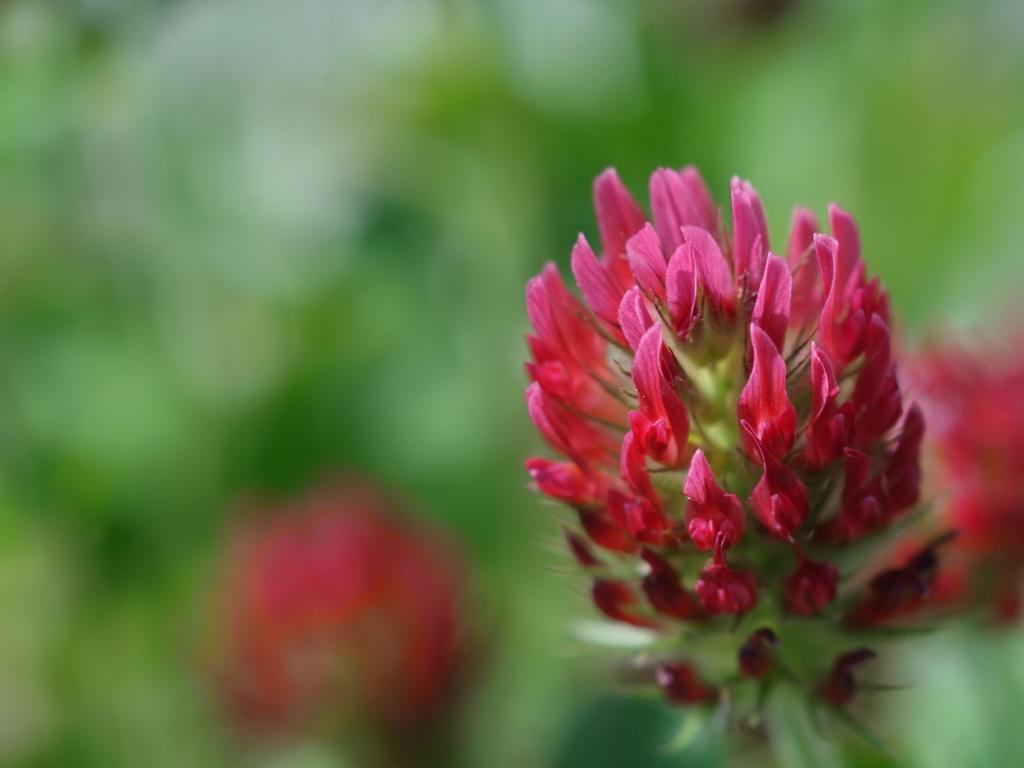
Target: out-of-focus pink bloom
(973, 399)
(333, 607)
(710, 395)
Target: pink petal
(566, 481)
(844, 230)
(780, 498)
(711, 267)
(750, 233)
(634, 319)
(603, 532)
(618, 219)
(771, 310)
(647, 261)
(831, 427)
(701, 486)
(680, 199)
(801, 237)
(808, 294)
(681, 290)
(633, 467)
(840, 330)
(876, 396)
(711, 512)
(723, 590)
(645, 521)
(856, 468)
(538, 310)
(561, 321)
(600, 290)
(647, 375)
(704, 205)
(764, 403)
(903, 472)
(568, 432)
(658, 398)
(824, 387)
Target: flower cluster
(974, 402)
(731, 430)
(334, 610)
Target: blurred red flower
(335, 609)
(974, 402)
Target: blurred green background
(246, 242)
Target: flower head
(335, 607)
(973, 398)
(730, 423)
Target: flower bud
(711, 512)
(665, 592)
(810, 587)
(615, 599)
(841, 686)
(681, 684)
(723, 590)
(581, 550)
(755, 657)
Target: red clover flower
(731, 435)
